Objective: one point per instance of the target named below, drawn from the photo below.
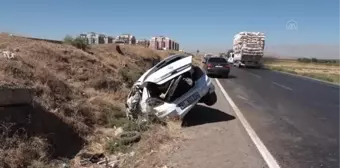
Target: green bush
(115, 116)
(314, 60)
(304, 60)
(129, 75)
(77, 42)
(115, 146)
(319, 61)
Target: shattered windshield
(176, 87)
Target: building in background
(157, 43)
(96, 38)
(108, 39)
(163, 43)
(153, 43)
(126, 38)
(143, 42)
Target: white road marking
(283, 86)
(241, 97)
(255, 75)
(309, 78)
(267, 156)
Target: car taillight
(209, 65)
(226, 66)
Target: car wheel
(238, 65)
(210, 99)
(226, 75)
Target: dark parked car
(217, 66)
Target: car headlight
(154, 102)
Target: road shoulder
(215, 138)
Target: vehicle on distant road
(217, 66)
(248, 49)
(208, 55)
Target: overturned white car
(170, 89)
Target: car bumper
(217, 71)
(250, 63)
(172, 110)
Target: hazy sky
(196, 24)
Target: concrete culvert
(62, 138)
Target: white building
(126, 38)
(96, 38)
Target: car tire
(210, 99)
(226, 76)
(129, 137)
(238, 65)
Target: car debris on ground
(171, 88)
(101, 161)
(7, 54)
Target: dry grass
(19, 150)
(155, 146)
(329, 73)
(197, 60)
(83, 89)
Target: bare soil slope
(82, 90)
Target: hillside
(82, 90)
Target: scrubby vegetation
(76, 42)
(319, 61)
(326, 70)
(80, 91)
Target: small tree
(304, 60)
(77, 42)
(314, 60)
(68, 39)
(80, 43)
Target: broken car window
(176, 87)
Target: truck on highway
(248, 49)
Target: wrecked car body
(170, 89)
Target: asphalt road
(297, 119)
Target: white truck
(248, 49)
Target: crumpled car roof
(167, 69)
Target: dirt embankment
(74, 93)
